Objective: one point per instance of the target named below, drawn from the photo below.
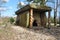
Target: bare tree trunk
(59, 18)
(55, 14)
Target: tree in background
(52, 19)
(12, 20)
(29, 1)
(22, 4)
(41, 2)
(55, 8)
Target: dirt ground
(12, 32)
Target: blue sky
(12, 7)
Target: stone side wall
(22, 19)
